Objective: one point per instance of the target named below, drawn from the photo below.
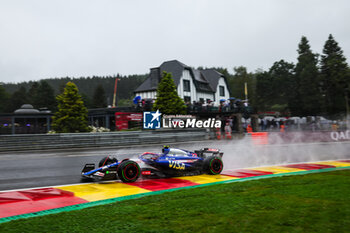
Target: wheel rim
(216, 166)
(131, 171)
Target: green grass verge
(304, 203)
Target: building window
(187, 99)
(187, 85)
(222, 90)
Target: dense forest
(96, 91)
(315, 85)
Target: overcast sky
(46, 39)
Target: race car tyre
(105, 161)
(213, 165)
(128, 171)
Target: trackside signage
(340, 136)
(154, 120)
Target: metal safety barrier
(108, 139)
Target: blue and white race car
(171, 162)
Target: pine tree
(264, 92)
(72, 115)
(46, 96)
(42, 95)
(4, 97)
(283, 86)
(99, 98)
(307, 78)
(33, 92)
(335, 77)
(18, 98)
(87, 101)
(168, 101)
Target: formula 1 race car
(171, 162)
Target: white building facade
(192, 85)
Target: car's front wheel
(128, 171)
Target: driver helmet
(166, 149)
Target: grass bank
(305, 203)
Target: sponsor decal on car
(187, 161)
(176, 165)
(99, 174)
(213, 150)
(146, 173)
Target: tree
(33, 96)
(4, 97)
(307, 90)
(237, 83)
(86, 85)
(42, 95)
(18, 98)
(87, 100)
(72, 115)
(46, 96)
(275, 88)
(335, 77)
(99, 98)
(264, 92)
(168, 101)
(283, 85)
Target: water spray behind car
(244, 153)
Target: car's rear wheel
(213, 165)
(128, 171)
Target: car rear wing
(209, 151)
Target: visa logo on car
(176, 165)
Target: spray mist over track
(47, 168)
(243, 153)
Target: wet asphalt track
(56, 167)
(47, 168)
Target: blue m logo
(151, 120)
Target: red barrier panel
(260, 138)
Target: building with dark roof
(192, 85)
(26, 120)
